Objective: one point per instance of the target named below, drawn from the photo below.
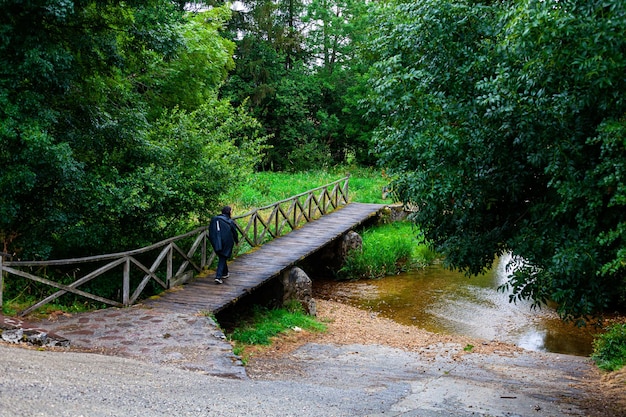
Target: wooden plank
(56, 285)
(110, 256)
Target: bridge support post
(170, 266)
(349, 242)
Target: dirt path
(442, 373)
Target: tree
(335, 38)
(198, 69)
(300, 68)
(275, 22)
(106, 110)
(505, 124)
(268, 42)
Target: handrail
(108, 256)
(290, 213)
(294, 197)
(173, 265)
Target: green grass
(387, 249)
(264, 188)
(264, 324)
(14, 306)
(609, 348)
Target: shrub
(609, 349)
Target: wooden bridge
(253, 269)
(274, 238)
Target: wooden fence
(172, 261)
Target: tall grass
(387, 250)
(264, 188)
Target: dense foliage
(299, 65)
(112, 132)
(506, 123)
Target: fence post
(1, 281)
(203, 254)
(170, 265)
(256, 240)
(126, 283)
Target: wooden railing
(175, 260)
(265, 223)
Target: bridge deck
(253, 269)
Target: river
(444, 301)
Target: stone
(400, 212)
(36, 338)
(395, 213)
(298, 286)
(58, 341)
(16, 331)
(350, 241)
(12, 335)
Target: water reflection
(444, 301)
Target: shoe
(226, 276)
(218, 281)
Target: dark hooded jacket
(223, 235)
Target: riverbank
(597, 393)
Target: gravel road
(44, 383)
(363, 366)
(318, 380)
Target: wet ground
(519, 384)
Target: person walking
(223, 237)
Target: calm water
(443, 301)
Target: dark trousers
(222, 267)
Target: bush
(609, 349)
